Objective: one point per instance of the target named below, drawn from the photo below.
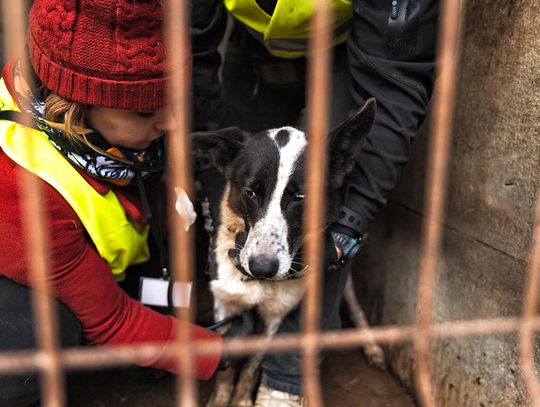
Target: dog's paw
(223, 389)
(375, 356)
(241, 401)
(218, 400)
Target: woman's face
(130, 129)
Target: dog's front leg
(223, 388)
(372, 350)
(243, 392)
(224, 384)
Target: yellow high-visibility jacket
(118, 240)
(286, 32)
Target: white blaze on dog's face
(270, 192)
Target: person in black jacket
(389, 54)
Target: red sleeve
(83, 281)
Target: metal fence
(51, 361)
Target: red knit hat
(104, 53)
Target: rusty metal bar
(176, 19)
(37, 239)
(436, 184)
(318, 86)
(16, 362)
(527, 328)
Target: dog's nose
(263, 267)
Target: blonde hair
(71, 114)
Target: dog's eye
(298, 197)
(250, 193)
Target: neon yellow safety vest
(286, 32)
(118, 240)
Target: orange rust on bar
(37, 239)
(15, 362)
(355, 336)
(527, 331)
(436, 183)
(318, 84)
(177, 46)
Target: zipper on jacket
(394, 13)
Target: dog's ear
(222, 145)
(345, 142)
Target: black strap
(156, 228)
(224, 321)
(17, 117)
(350, 219)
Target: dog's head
(265, 185)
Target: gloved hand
(241, 325)
(330, 252)
(347, 241)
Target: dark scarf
(92, 153)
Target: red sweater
(81, 279)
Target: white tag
(184, 207)
(153, 291)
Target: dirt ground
(347, 381)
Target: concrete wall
(494, 177)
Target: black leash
(224, 321)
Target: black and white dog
(264, 198)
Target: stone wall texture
(494, 178)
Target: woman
(99, 116)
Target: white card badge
(153, 291)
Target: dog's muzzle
(262, 268)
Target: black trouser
(17, 333)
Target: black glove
(330, 252)
(239, 326)
(347, 240)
